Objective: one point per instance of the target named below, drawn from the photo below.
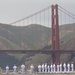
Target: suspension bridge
(55, 18)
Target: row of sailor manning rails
(45, 68)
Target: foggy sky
(11, 10)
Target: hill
(67, 32)
(35, 37)
(32, 36)
(27, 37)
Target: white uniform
(54, 68)
(39, 68)
(51, 66)
(15, 69)
(72, 67)
(60, 67)
(64, 65)
(43, 68)
(48, 67)
(32, 68)
(23, 68)
(7, 69)
(68, 67)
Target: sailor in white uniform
(7, 69)
(64, 66)
(48, 67)
(15, 69)
(60, 66)
(39, 68)
(54, 68)
(23, 68)
(51, 66)
(32, 68)
(68, 67)
(72, 67)
(43, 68)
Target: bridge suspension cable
(33, 15)
(67, 26)
(66, 11)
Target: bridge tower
(55, 34)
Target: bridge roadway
(38, 51)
